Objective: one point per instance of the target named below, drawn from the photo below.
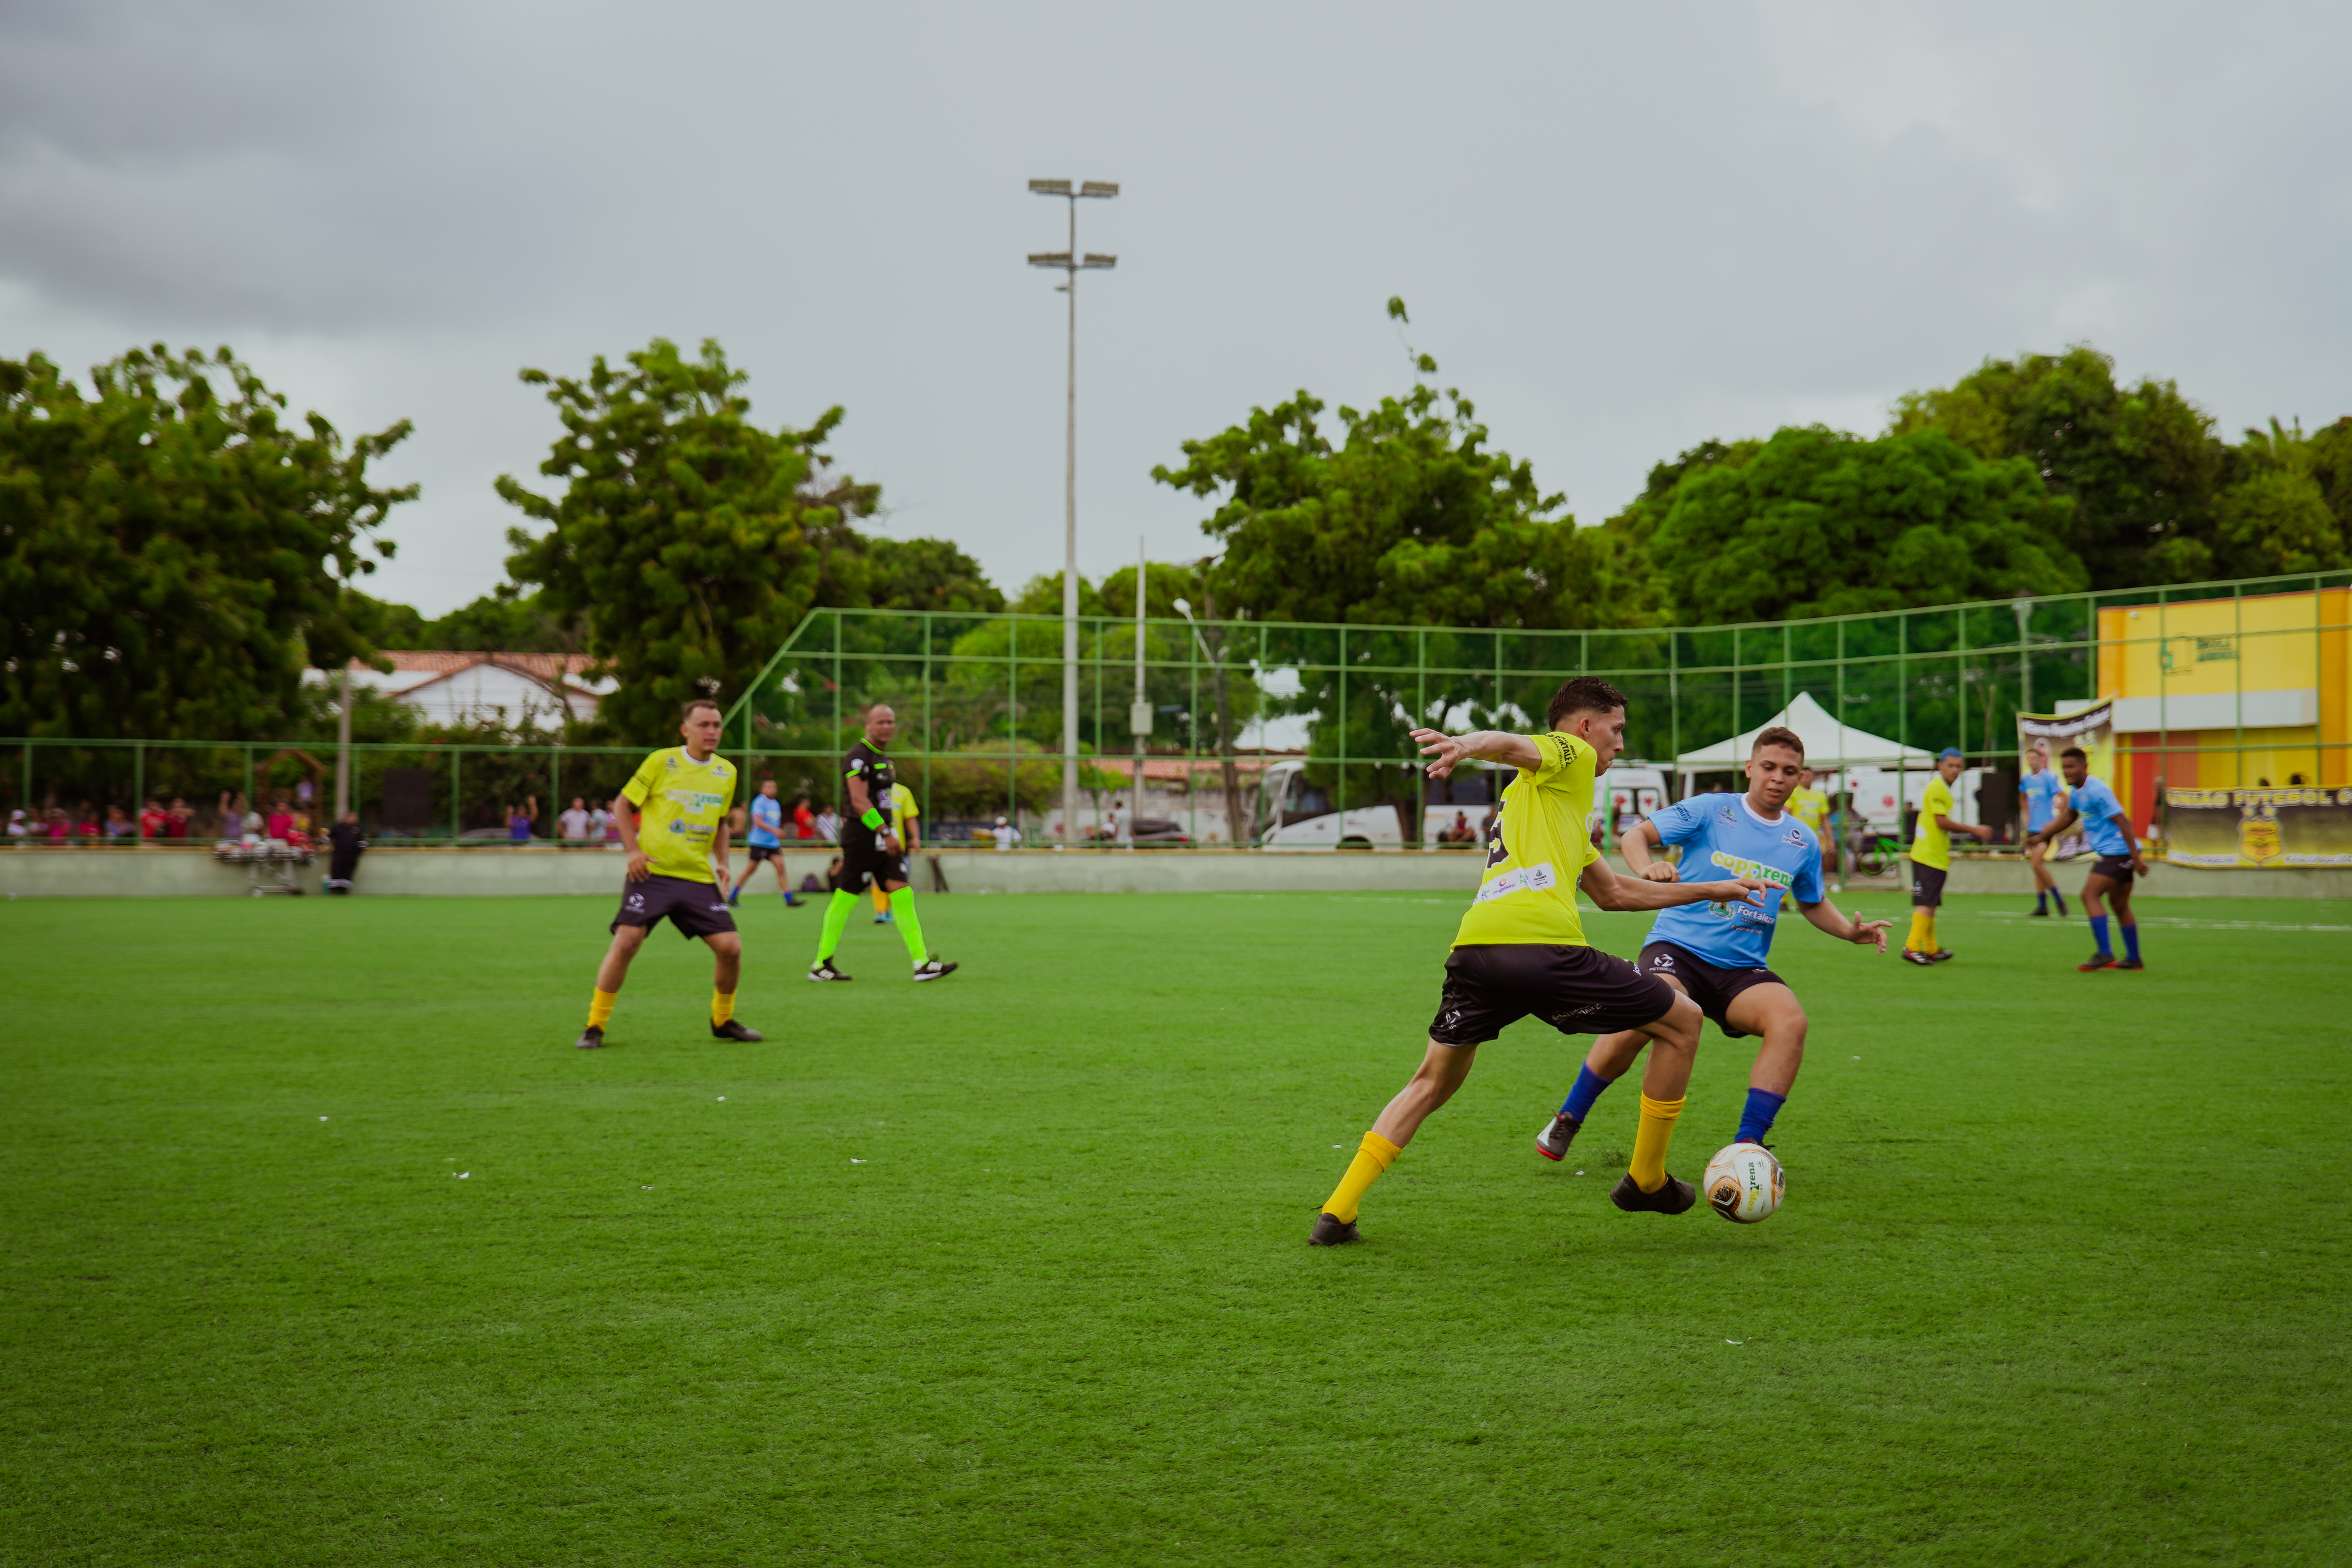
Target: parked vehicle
(1296, 815)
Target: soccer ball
(1744, 1183)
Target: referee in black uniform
(871, 852)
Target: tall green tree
(1817, 523)
(2274, 516)
(2141, 463)
(173, 551)
(688, 540)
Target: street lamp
(1071, 262)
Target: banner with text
(2259, 827)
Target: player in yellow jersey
(1931, 858)
(672, 814)
(1811, 807)
(908, 816)
(1521, 949)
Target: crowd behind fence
(1237, 705)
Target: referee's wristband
(873, 819)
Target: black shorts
(766, 852)
(2114, 868)
(696, 909)
(1576, 990)
(1927, 885)
(862, 865)
(1711, 985)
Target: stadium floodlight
(1071, 262)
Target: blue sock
(2062, 900)
(2041, 901)
(2099, 933)
(1589, 1085)
(2131, 941)
(1757, 1119)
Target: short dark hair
(1778, 735)
(2077, 753)
(687, 711)
(1585, 694)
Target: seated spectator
(60, 824)
(178, 820)
(152, 820)
(235, 821)
(119, 824)
(280, 823)
(573, 824)
(1458, 831)
(20, 826)
(87, 825)
(828, 826)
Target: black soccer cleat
(2096, 961)
(823, 969)
(1943, 955)
(2129, 964)
(591, 1038)
(1675, 1197)
(731, 1030)
(2039, 914)
(1330, 1230)
(1553, 1141)
(1924, 960)
(932, 969)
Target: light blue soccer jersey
(2104, 821)
(767, 819)
(2041, 791)
(1720, 837)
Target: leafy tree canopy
(1816, 522)
(173, 552)
(1409, 518)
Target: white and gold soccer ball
(1744, 1183)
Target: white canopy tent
(1830, 746)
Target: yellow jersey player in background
(1931, 858)
(908, 816)
(1521, 949)
(1811, 807)
(672, 814)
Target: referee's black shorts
(867, 863)
(1576, 990)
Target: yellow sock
(600, 1007)
(1923, 931)
(1928, 916)
(1375, 1155)
(1650, 1140)
(722, 1005)
(881, 900)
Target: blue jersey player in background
(2094, 804)
(2039, 796)
(1716, 954)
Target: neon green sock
(911, 926)
(836, 920)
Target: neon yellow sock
(600, 1007)
(881, 900)
(1649, 1142)
(1373, 1157)
(836, 920)
(722, 1005)
(1922, 932)
(1930, 945)
(910, 924)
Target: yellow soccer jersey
(1811, 807)
(1931, 845)
(902, 803)
(682, 801)
(1536, 849)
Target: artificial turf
(324, 1247)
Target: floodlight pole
(1071, 262)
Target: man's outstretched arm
(1447, 752)
(1606, 889)
(1862, 933)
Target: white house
(516, 688)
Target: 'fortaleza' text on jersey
(1721, 837)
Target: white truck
(1296, 815)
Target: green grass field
(323, 1248)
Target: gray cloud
(1620, 233)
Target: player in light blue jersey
(1715, 953)
(767, 813)
(2039, 796)
(2094, 804)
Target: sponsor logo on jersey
(1739, 866)
(693, 799)
(1527, 878)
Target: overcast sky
(1620, 230)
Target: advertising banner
(2094, 730)
(2260, 827)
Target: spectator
(1458, 831)
(828, 826)
(60, 824)
(235, 821)
(18, 826)
(1117, 825)
(86, 824)
(1007, 835)
(119, 824)
(573, 824)
(280, 825)
(178, 820)
(602, 829)
(520, 818)
(154, 820)
(804, 819)
(344, 862)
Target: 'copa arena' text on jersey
(1721, 837)
(680, 803)
(1535, 850)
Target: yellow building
(2223, 693)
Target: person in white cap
(1007, 835)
